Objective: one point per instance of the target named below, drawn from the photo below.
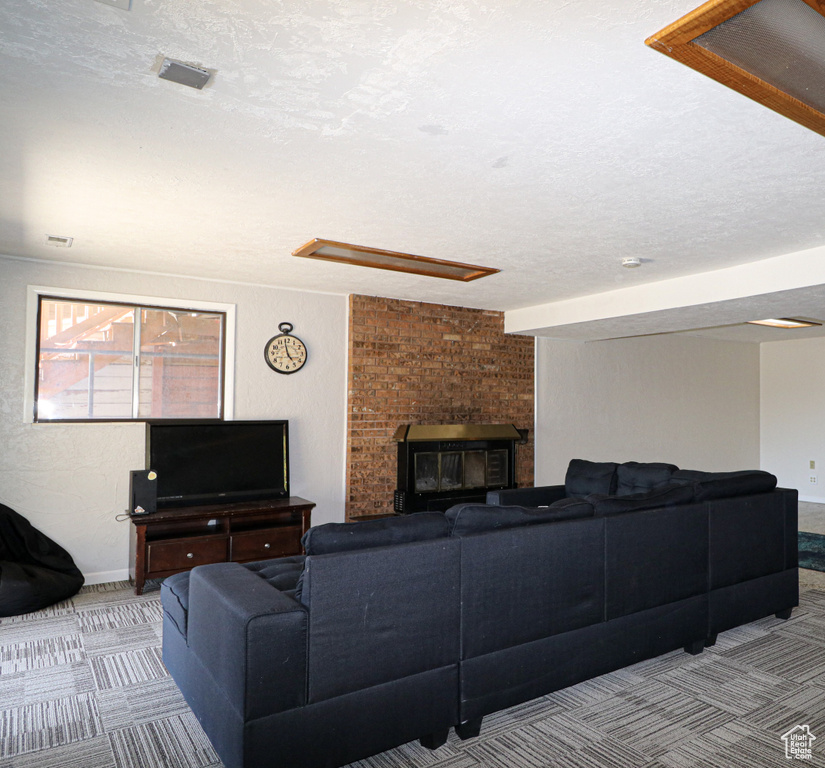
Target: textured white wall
(793, 414)
(71, 480)
(680, 399)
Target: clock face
(285, 353)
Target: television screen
(203, 462)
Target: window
(101, 360)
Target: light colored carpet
(82, 686)
(811, 517)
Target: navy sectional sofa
(399, 629)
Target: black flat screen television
(210, 462)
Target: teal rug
(812, 551)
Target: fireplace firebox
(444, 464)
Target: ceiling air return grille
(772, 51)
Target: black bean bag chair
(34, 571)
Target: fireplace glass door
(455, 470)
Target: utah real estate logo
(799, 743)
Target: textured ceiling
(541, 138)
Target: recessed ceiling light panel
(185, 74)
(785, 322)
(363, 256)
(772, 51)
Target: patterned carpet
(82, 685)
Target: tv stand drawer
(266, 543)
(162, 542)
(182, 554)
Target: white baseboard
(102, 577)
(813, 499)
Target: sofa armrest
(527, 497)
(791, 497)
(251, 638)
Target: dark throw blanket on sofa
(34, 571)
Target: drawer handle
(189, 555)
(267, 546)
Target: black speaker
(143, 492)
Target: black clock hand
(286, 349)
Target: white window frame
(34, 292)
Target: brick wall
(415, 363)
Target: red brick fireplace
(415, 363)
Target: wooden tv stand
(173, 540)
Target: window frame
(36, 293)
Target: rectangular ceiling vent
(185, 74)
(772, 51)
(59, 241)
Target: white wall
(793, 414)
(71, 480)
(680, 399)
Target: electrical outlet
(812, 479)
(813, 464)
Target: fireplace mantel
(419, 432)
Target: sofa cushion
(723, 485)
(386, 531)
(663, 496)
(475, 518)
(282, 573)
(655, 558)
(384, 617)
(586, 477)
(638, 477)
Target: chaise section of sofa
(366, 658)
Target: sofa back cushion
(664, 496)
(475, 518)
(586, 477)
(386, 531)
(380, 615)
(639, 477)
(655, 558)
(524, 584)
(723, 485)
(749, 537)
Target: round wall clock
(285, 353)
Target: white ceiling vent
(185, 74)
(58, 241)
